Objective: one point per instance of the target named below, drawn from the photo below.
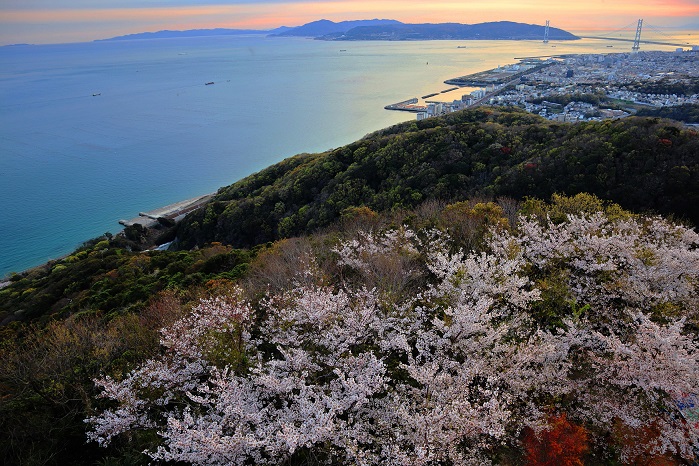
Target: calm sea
(95, 132)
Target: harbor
(576, 87)
(487, 84)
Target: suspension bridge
(659, 36)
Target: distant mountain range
(380, 29)
(196, 33)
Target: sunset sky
(54, 21)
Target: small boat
(343, 50)
(209, 83)
(96, 94)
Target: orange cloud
(87, 24)
(610, 13)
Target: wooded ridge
(643, 164)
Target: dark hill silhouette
(501, 30)
(323, 27)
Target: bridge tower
(637, 40)
(546, 33)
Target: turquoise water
(92, 133)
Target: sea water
(92, 133)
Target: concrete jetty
(407, 106)
(176, 212)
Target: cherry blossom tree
(433, 356)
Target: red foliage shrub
(562, 444)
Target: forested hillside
(644, 164)
(448, 293)
(688, 113)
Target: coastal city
(576, 87)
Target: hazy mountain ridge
(167, 34)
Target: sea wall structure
(502, 74)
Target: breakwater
(407, 106)
(175, 212)
(500, 75)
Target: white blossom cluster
(642, 262)
(440, 376)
